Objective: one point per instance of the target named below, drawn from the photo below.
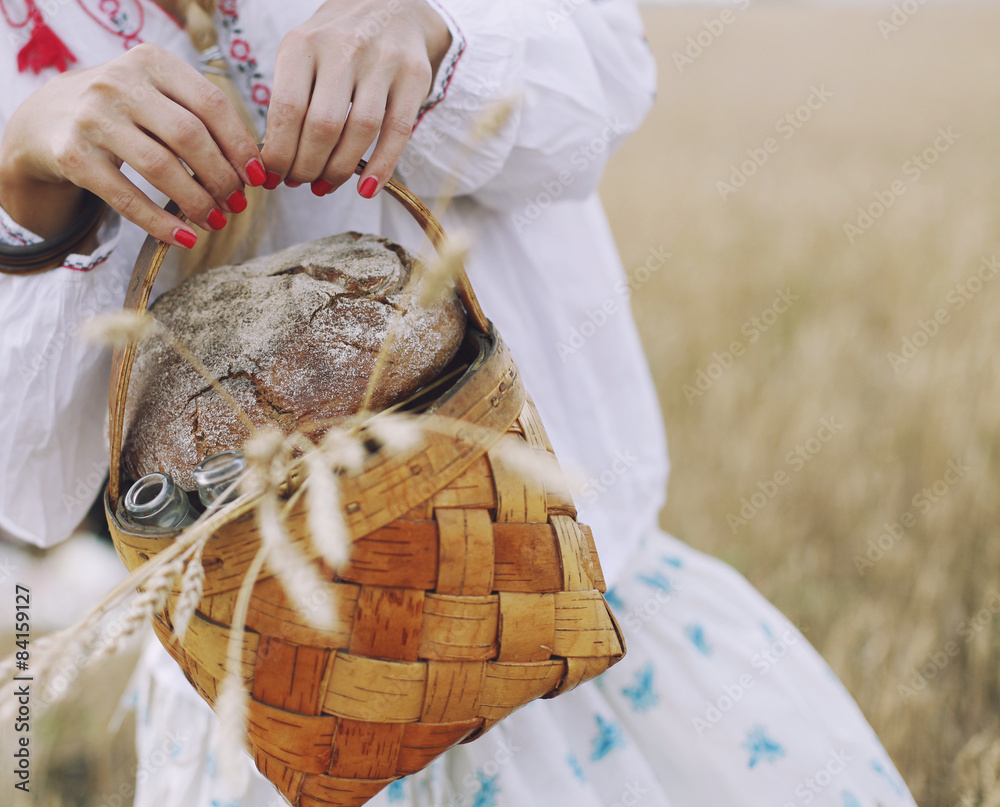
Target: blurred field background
(911, 633)
(920, 615)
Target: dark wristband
(23, 259)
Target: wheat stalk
(440, 273)
(185, 353)
(122, 328)
(451, 252)
(151, 600)
(118, 328)
(192, 586)
(382, 360)
(323, 512)
(396, 432)
(490, 121)
(231, 704)
(298, 577)
(78, 644)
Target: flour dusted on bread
(293, 336)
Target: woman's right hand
(147, 108)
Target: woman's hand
(357, 70)
(147, 108)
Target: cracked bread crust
(293, 337)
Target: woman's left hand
(356, 71)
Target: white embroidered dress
(720, 700)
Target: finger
(397, 127)
(362, 127)
(190, 89)
(186, 136)
(122, 195)
(294, 73)
(163, 170)
(322, 128)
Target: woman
(720, 700)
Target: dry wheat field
(824, 341)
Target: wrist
(32, 255)
(45, 206)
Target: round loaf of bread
(293, 337)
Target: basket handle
(147, 265)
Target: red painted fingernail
(237, 201)
(272, 181)
(256, 173)
(216, 220)
(368, 187)
(321, 187)
(185, 238)
(291, 183)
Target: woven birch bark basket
(470, 589)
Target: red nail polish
(321, 187)
(368, 187)
(185, 238)
(237, 201)
(272, 181)
(256, 173)
(291, 183)
(216, 220)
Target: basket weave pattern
(481, 598)
(470, 590)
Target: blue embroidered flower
(614, 599)
(656, 580)
(761, 747)
(673, 561)
(641, 693)
(767, 629)
(217, 803)
(486, 795)
(850, 800)
(609, 737)
(881, 771)
(696, 633)
(395, 791)
(574, 765)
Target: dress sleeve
(53, 387)
(578, 76)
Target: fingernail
(237, 201)
(185, 238)
(216, 220)
(368, 187)
(272, 181)
(256, 173)
(321, 187)
(291, 183)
